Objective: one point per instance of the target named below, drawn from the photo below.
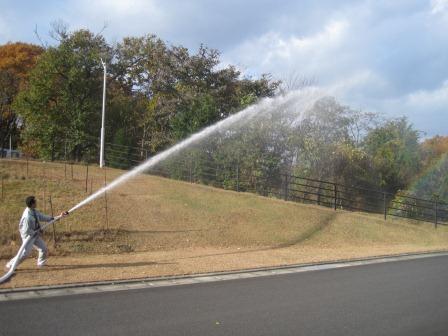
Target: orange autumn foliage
(438, 145)
(434, 148)
(19, 58)
(16, 62)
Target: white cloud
(430, 99)
(332, 34)
(275, 53)
(389, 56)
(120, 7)
(426, 109)
(439, 6)
(123, 18)
(382, 56)
(358, 84)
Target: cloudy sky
(388, 56)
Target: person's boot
(7, 267)
(42, 263)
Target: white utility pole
(102, 117)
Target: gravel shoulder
(86, 268)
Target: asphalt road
(397, 298)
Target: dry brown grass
(159, 226)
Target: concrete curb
(10, 294)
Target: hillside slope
(155, 226)
(151, 214)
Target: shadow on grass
(301, 239)
(61, 267)
(91, 235)
(159, 231)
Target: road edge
(9, 294)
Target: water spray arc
(302, 100)
(296, 102)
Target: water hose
(28, 240)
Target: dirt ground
(153, 226)
(85, 268)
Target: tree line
(158, 94)
(332, 142)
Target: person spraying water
(294, 103)
(30, 229)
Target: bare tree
(293, 81)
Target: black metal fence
(290, 187)
(306, 190)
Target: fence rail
(294, 188)
(321, 192)
(289, 187)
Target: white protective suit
(28, 226)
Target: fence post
(385, 205)
(44, 193)
(50, 176)
(237, 176)
(286, 187)
(436, 208)
(255, 179)
(52, 215)
(216, 175)
(27, 163)
(87, 174)
(191, 170)
(335, 196)
(71, 166)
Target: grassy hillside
(155, 214)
